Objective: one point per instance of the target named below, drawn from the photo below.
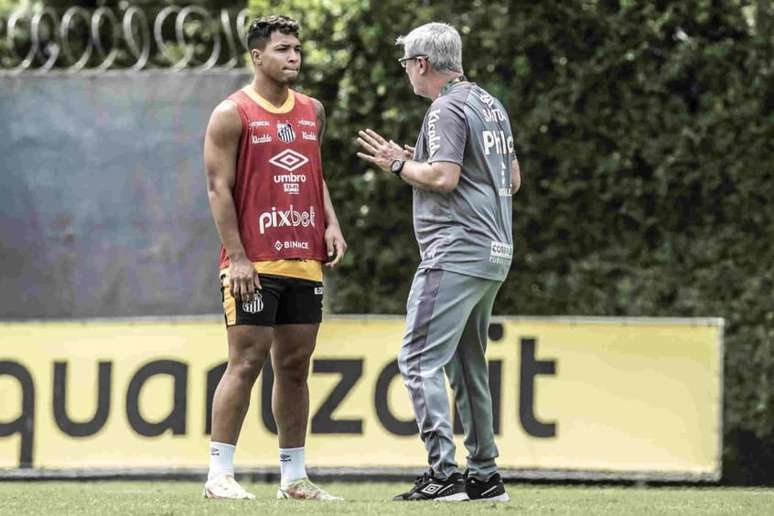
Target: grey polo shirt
(468, 230)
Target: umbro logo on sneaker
(428, 487)
(431, 488)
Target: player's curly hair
(260, 29)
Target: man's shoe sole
(206, 493)
(456, 497)
(282, 495)
(499, 498)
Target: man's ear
(256, 56)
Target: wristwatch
(396, 167)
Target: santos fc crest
(254, 306)
(285, 132)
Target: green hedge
(645, 133)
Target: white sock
(221, 460)
(291, 465)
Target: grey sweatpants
(446, 330)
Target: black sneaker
(492, 490)
(427, 487)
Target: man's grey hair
(440, 42)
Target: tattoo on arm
(320, 109)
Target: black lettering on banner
(530, 368)
(495, 387)
(175, 421)
(496, 332)
(267, 384)
(101, 413)
(322, 422)
(388, 420)
(24, 425)
(213, 379)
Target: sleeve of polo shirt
(446, 131)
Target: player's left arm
(515, 169)
(334, 239)
(515, 175)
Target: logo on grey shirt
(432, 133)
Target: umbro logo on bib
(289, 160)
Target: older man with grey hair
(464, 172)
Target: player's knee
(292, 368)
(246, 367)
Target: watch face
(396, 165)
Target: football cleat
(225, 487)
(305, 489)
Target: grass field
(184, 498)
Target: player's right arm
(221, 147)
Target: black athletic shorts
(281, 300)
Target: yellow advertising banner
(572, 397)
